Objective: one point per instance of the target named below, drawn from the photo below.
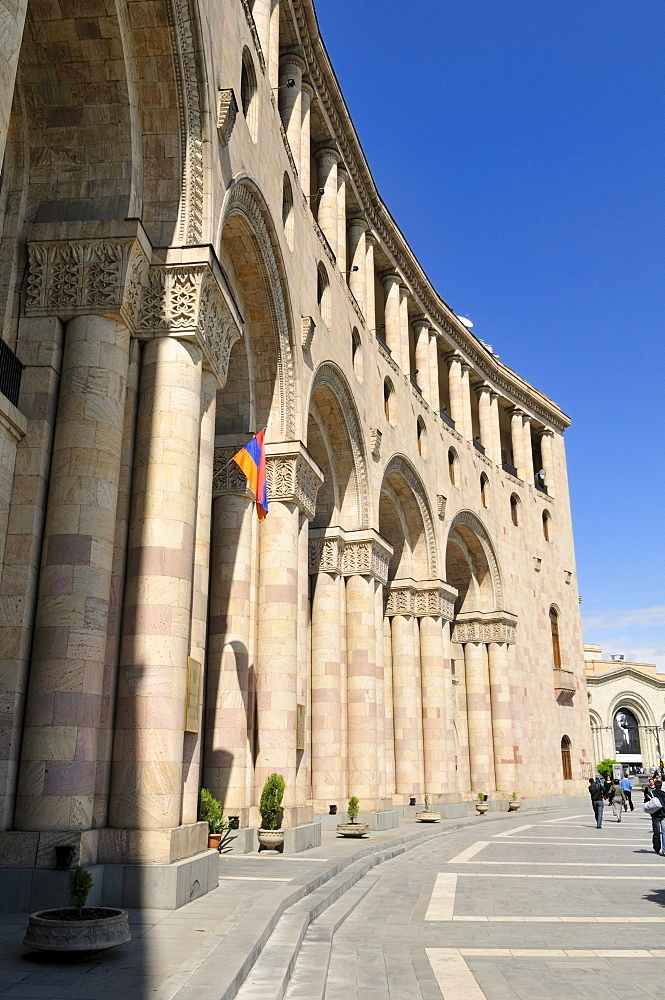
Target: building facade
(193, 249)
(627, 710)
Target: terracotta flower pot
(60, 930)
(214, 840)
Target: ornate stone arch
(244, 199)
(401, 465)
(636, 704)
(469, 519)
(329, 375)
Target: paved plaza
(539, 906)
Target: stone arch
(468, 533)
(246, 220)
(407, 486)
(329, 377)
(636, 704)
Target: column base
(152, 847)
(292, 816)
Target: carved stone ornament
(488, 626)
(326, 550)
(68, 278)
(227, 476)
(375, 442)
(429, 598)
(294, 478)
(367, 554)
(401, 598)
(227, 112)
(441, 502)
(307, 328)
(186, 301)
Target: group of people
(618, 792)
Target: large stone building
(193, 249)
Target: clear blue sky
(519, 144)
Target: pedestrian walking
(597, 801)
(627, 786)
(654, 790)
(617, 798)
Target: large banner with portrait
(626, 737)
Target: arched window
(323, 293)
(248, 93)
(452, 463)
(388, 400)
(484, 490)
(287, 210)
(546, 525)
(566, 763)
(514, 509)
(554, 628)
(356, 354)
(421, 433)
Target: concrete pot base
(513, 805)
(271, 840)
(428, 817)
(77, 937)
(482, 807)
(352, 829)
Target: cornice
(625, 672)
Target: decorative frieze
(307, 328)
(428, 598)
(227, 476)
(366, 553)
(293, 477)
(68, 278)
(489, 626)
(326, 550)
(186, 301)
(227, 112)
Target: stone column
(358, 259)
(328, 709)
(434, 398)
(502, 716)
(485, 418)
(407, 694)
(451, 775)
(292, 67)
(13, 21)
(306, 138)
(547, 454)
(366, 557)
(421, 337)
(466, 402)
(528, 450)
(389, 720)
(273, 45)
(495, 428)
(293, 482)
(457, 409)
(148, 746)
(405, 363)
(326, 164)
(517, 438)
(261, 10)
(393, 330)
(370, 292)
(380, 689)
(56, 785)
(479, 717)
(434, 601)
(193, 740)
(340, 250)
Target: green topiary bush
(80, 887)
(605, 767)
(270, 805)
(210, 811)
(354, 808)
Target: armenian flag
(252, 461)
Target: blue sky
(519, 145)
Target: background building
(193, 249)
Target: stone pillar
(451, 774)
(421, 337)
(358, 259)
(389, 720)
(261, 10)
(273, 45)
(547, 454)
(380, 689)
(407, 702)
(479, 717)
(466, 402)
(517, 438)
(293, 482)
(328, 708)
(306, 138)
(292, 67)
(13, 21)
(340, 250)
(148, 746)
(528, 450)
(231, 664)
(393, 330)
(457, 410)
(495, 427)
(405, 363)
(502, 717)
(434, 398)
(435, 734)
(193, 740)
(56, 783)
(485, 418)
(370, 291)
(326, 164)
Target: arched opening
(514, 509)
(554, 629)
(546, 525)
(287, 210)
(626, 735)
(566, 763)
(356, 354)
(421, 437)
(248, 100)
(323, 293)
(452, 465)
(389, 400)
(484, 490)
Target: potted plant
(482, 805)
(352, 829)
(77, 929)
(514, 803)
(428, 816)
(271, 837)
(210, 811)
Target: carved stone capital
(293, 476)
(441, 502)
(326, 550)
(482, 388)
(227, 476)
(485, 626)
(227, 112)
(366, 553)
(82, 277)
(401, 598)
(426, 598)
(186, 300)
(307, 329)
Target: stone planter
(272, 840)
(214, 840)
(428, 817)
(56, 930)
(352, 829)
(513, 805)
(482, 807)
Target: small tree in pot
(513, 803)
(270, 807)
(482, 805)
(352, 829)
(428, 816)
(210, 812)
